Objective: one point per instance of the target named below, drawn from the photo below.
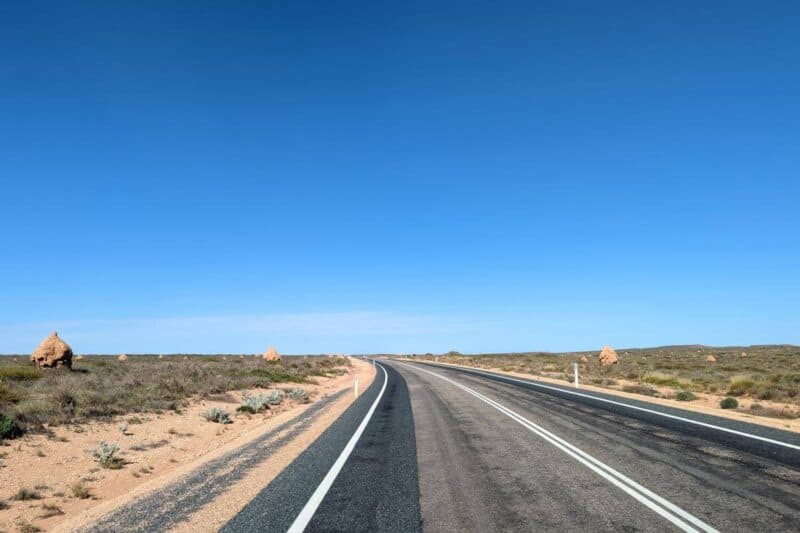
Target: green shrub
(215, 414)
(260, 402)
(685, 396)
(105, 454)
(729, 403)
(9, 429)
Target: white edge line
(305, 516)
(629, 406)
(661, 506)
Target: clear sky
(405, 176)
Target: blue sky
(416, 176)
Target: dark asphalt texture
(482, 471)
(376, 490)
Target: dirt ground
(156, 450)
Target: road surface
(436, 448)
(447, 450)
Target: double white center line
(682, 519)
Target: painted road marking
(629, 406)
(681, 518)
(301, 522)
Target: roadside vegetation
(101, 387)
(757, 373)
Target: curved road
(501, 456)
(435, 448)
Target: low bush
(50, 511)
(659, 378)
(299, 395)
(685, 396)
(729, 403)
(80, 491)
(9, 429)
(106, 455)
(741, 385)
(220, 416)
(25, 494)
(275, 397)
(254, 404)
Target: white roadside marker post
(355, 388)
(575, 368)
(437, 359)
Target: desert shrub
(273, 375)
(80, 491)
(275, 397)
(27, 527)
(254, 404)
(215, 414)
(729, 403)
(244, 408)
(298, 394)
(9, 428)
(741, 385)
(9, 394)
(685, 396)
(25, 494)
(50, 511)
(105, 454)
(3, 505)
(19, 373)
(659, 378)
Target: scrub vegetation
(100, 387)
(758, 373)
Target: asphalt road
(430, 448)
(449, 450)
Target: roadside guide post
(575, 368)
(355, 387)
